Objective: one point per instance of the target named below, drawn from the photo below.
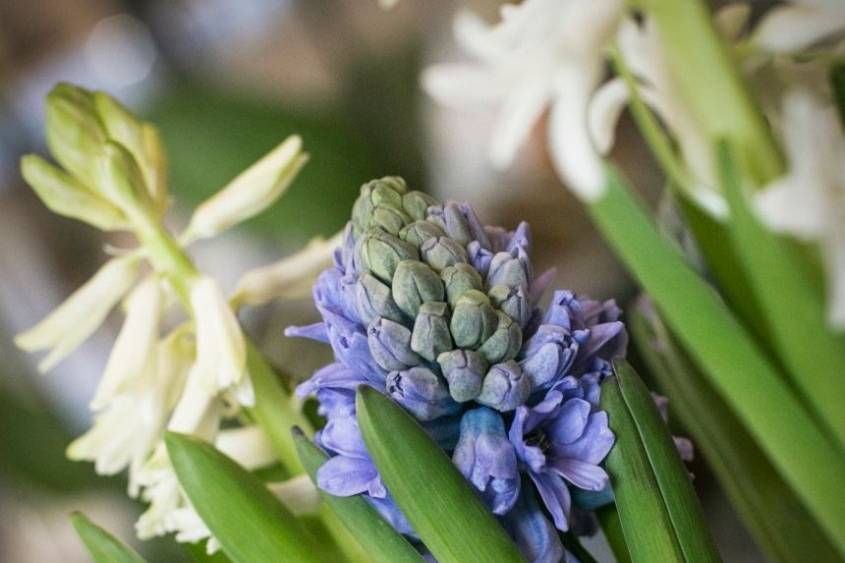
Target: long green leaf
(251, 525)
(433, 495)
(375, 534)
(647, 435)
(794, 309)
(103, 547)
(275, 410)
(646, 524)
(610, 524)
(728, 356)
(773, 514)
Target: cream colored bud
(65, 195)
(290, 278)
(74, 134)
(250, 193)
(82, 313)
(119, 179)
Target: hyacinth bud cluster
(440, 313)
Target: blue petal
(535, 536)
(346, 476)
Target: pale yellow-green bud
(140, 139)
(74, 133)
(120, 181)
(250, 193)
(65, 195)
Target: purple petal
(316, 331)
(555, 496)
(570, 422)
(342, 436)
(593, 445)
(535, 536)
(581, 474)
(345, 476)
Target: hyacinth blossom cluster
(189, 376)
(440, 312)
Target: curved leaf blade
(771, 511)
(373, 532)
(433, 495)
(251, 525)
(103, 547)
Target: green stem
(167, 257)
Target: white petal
(198, 411)
(247, 445)
(463, 86)
(298, 494)
(785, 206)
(134, 345)
(221, 350)
(250, 193)
(82, 313)
(605, 108)
(791, 28)
(517, 118)
(290, 278)
(576, 161)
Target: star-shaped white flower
(543, 53)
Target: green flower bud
(119, 179)
(459, 279)
(512, 301)
(420, 231)
(442, 252)
(380, 253)
(473, 320)
(431, 334)
(74, 133)
(507, 270)
(413, 284)
(384, 193)
(416, 204)
(449, 218)
(390, 345)
(65, 195)
(464, 370)
(387, 218)
(505, 343)
(373, 299)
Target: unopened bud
(390, 345)
(505, 387)
(464, 370)
(380, 253)
(441, 252)
(373, 299)
(416, 204)
(505, 343)
(413, 284)
(422, 392)
(512, 301)
(74, 134)
(431, 334)
(473, 320)
(420, 231)
(459, 279)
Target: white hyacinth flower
(289, 278)
(643, 53)
(133, 349)
(132, 424)
(221, 350)
(809, 201)
(82, 313)
(543, 53)
(799, 24)
(250, 193)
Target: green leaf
(777, 519)
(374, 533)
(103, 547)
(275, 410)
(248, 521)
(660, 515)
(728, 356)
(610, 524)
(434, 497)
(793, 308)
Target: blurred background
(225, 82)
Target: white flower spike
(250, 193)
(798, 25)
(809, 201)
(543, 53)
(82, 313)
